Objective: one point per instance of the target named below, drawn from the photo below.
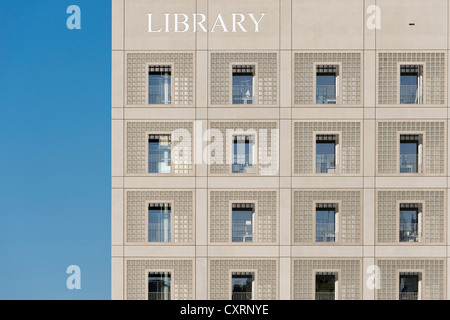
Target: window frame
(147, 134)
(337, 285)
(255, 99)
(172, 225)
(338, 222)
(172, 279)
(230, 145)
(421, 284)
(255, 222)
(423, 137)
(172, 84)
(338, 157)
(254, 282)
(421, 223)
(424, 86)
(339, 82)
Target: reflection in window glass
(408, 156)
(243, 77)
(159, 85)
(325, 286)
(159, 284)
(159, 154)
(325, 157)
(409, 286)
(159, 222)
(326, 84)
(409, 223)
(242, 223)
(243, 154)
(325, 224)
(242, 285)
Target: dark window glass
(325, 286)
(159, 285)
(242, 286)
(409, 286)
(410, 88)
(409, 224)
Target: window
(326, 285)
(243, 82)
(411, 84)
(159, 222)
(159, 154)
(243, 149)
(159, 84)
(410, 285)
(411, 149)
(242, 284)
(243, 221)
(326, 222)
(327, 84)
(410, 222)
(327, 157)
(159, 284)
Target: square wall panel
(327, 24)
(427, 18)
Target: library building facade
(280, 150)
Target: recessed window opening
(327, 153)
(243, 221)
(243, 84)
(159, 226)
(411, 153)
(159, 153)
(411, 84)
(159, 84)
(242, 285)
(327, 84)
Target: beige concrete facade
(368, 41)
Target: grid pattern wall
(266, 206)
(388, 73)
(137, 146)
(267, 76)
(182, 214)
(350, 145)
(433, 285)
(349, 281)
(433, 150)
(349, 210)
(182, 286)
(182, 76)
(265, 131)
(434, 214)
(305, 75)
(266, 277)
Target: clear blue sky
(55, 155)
